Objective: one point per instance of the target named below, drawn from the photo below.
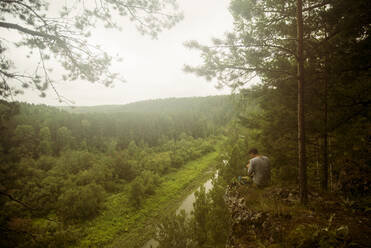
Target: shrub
(310, 236)
(81, 203)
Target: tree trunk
(324, 178)
(324, 181)
(301, 118)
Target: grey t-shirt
(259, 169)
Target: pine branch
(22, 29)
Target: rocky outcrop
(252, 223)
(273, 216)
(248, 226)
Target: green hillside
(167, 105)
(69, 178)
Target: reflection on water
(187, 206)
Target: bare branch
(27, 31)
(15, 200)
(317, 6)
(23, 204)
(29, 8)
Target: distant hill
(168, 105)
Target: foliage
(353, 179)
(200, 216)
(174, 232)
(305, 236)
(337, 99)
(63, 140)
(208, 225)
(62, 167)
(24, 138)
(137, 192)
(235, 166)
(263, 45)
(79, 203)
(124, 168)
(45, 146)
(124, 224)
(65, 34)
(218, 219)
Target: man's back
(259, 169)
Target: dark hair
(253, 151)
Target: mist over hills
(142, 122)
(166, 105)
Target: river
(187, 206)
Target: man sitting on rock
(259, 168)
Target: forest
(310, 114)
(115, 175)
(58, 168)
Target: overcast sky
(152, 68)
